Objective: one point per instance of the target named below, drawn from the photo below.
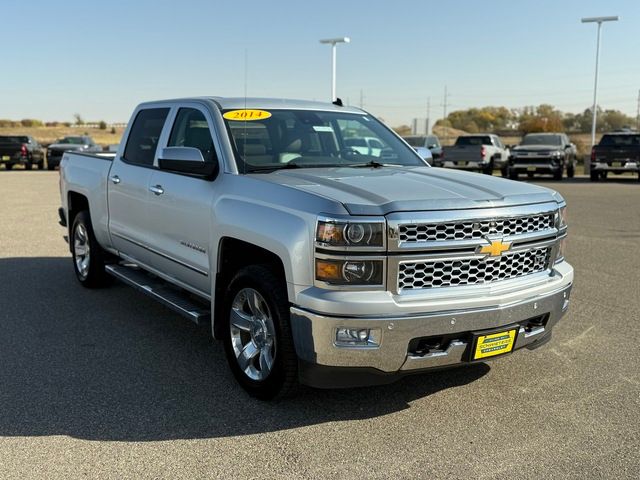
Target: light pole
(599, 21)
(334, 42)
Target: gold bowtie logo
(495, 248)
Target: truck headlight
(350, 271)
(561, 219)
(343, 233)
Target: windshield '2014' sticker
(246, 115)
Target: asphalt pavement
(109, 384)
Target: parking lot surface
(109, 384)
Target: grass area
(48, 135)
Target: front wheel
(257, 334)
(41, 165)
(571, 170)
(28, 166)
(557, 175)
(88, 256)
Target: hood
(66, 146)
(536, 148)
(379, 191)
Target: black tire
(504, 171)
(8, 166)
(513, 174)
(50, 167)
(95, 275)
(41, 165)
(558, 174)
(488, 170)
(28, 166)
(571, 170)
(594, 175)
(282, 380)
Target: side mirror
(187, 160)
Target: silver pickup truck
(479, 152)
(311, 261)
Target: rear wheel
(257, 334)
(594, 175)
(88, 255)
(571, 170)
(488, 170)
(504, 171)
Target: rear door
(180, 211)
(128, 185)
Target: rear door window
(144, 135)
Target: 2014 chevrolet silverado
(312, 261)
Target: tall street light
(599, 21)
(333, 42)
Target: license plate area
(531, 169)
(493, 342)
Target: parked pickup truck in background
(82, 143)
(482, 152)
(312, 261)
(21, 149)
(427, 146)
(616, 153)
(546, 153)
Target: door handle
(115, 179)
(157, 189)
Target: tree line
(543, 118)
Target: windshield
(473, 140)
(415, 141)
(9, 139)
(541, 140)
(73, 140)
(620, 140)
(312, 139)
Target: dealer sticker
(246, 115)
(494, 344)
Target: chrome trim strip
(163, 255)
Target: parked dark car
(429, 142)
(80, 143)
(21, 149)
(546, 153)
(617, 153)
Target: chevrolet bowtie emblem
(495, 248)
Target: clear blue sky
(101, 58)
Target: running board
(177, 300)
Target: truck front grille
(473, 230)
(471, 271)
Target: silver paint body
(176, 235)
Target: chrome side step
(177, 300)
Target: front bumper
(535, 165)
(323, 364)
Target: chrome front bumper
(314, 334)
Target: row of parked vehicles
(538, 153)
(25, 150)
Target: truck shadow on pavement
(113, 365)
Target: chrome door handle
(115, 179)
(157, 189)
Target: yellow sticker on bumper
(246, 115)
(494, 344)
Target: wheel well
(76, 203)
(234, 254)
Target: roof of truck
(232, 103)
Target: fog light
(357, 337)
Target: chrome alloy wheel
(253, 334)
(81, 250)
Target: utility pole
(599, 21)
(428, 122)
(638, 113)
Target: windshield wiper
(373, 164)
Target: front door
(180, 207)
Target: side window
(192, 130)
(144, 136)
